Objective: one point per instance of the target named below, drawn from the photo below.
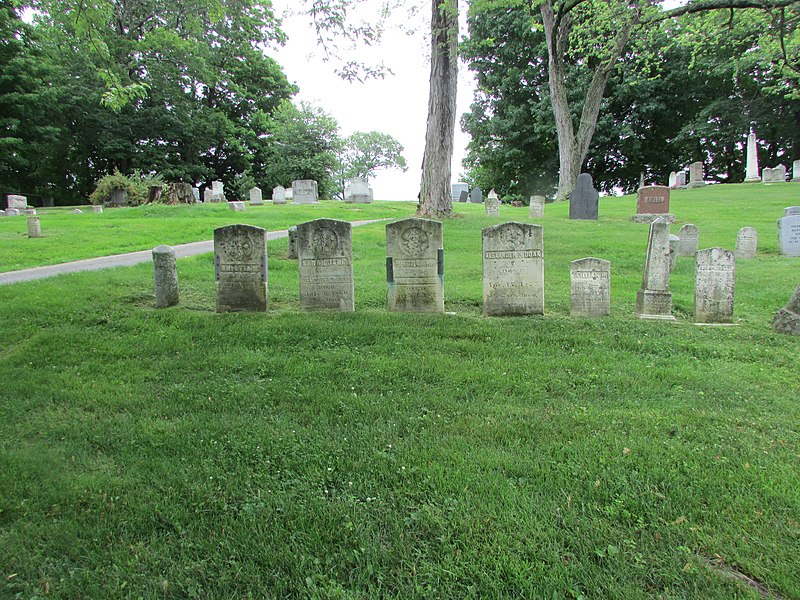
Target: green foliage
(136, 185)
(363, 153)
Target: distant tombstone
(325, 265)
(14, 201)
(751, 168)
(641, 180)
(48, 202)
(654, 300)
(30, 212)
(590, 287)
(359, 191)
(774, 175)
(492, 205)
(714, 276)
(689, 240)
(165, 276)
(34, 227)
(371, 195)
(240, 263)
(97, 209)
(789, 235)
(279, 195)
(207, 195)
(674, 241)
(12, 212)
(304, 191)
(76, 211)
(457, 189)
(652, 202)
(583, 201)
(217, 191)
(196, 194)
(256, 199)
(289, 193)
(796, 170)
(746, 243)
(673, 180)
(680, 179)
(696, 175)
(237, 206)
(536, 208)
(415, 266)
(791, 210)
(787, 319)
(291, 248)
(118, 197)
(513, 269)
(476, 196)
(464, 196)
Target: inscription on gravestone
(789, 235)
(653, 199)
(746, 243)
(513, 269)
(584, 199)
(240, 262)
(689, 240)
(415, 266)
(325, 264)
(590, 287)
(791, 210)
(713, 286)
(304, 191)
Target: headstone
(476, 195)
(77, 211)
(237, 206)
(279, 195)
(746, 243)
(751, 169)
(217, 191)
(34, 227)
(774, 175)
(48, 202)
(796, 170)
(256, 199)
(641, 180)
(680, 179)
(359, 191)
(464, 196)
(304, 191)
(689, 240)
(97, 209)
(196, 194)
(165, 275)
(536, 209)
(673, 180)
(30, 212)
(674, 241)
(791, 210)
(325, 265)
(371, 195)
(207, 195)
(118, 198)
(789, 235)
(240, 263)
(696, 175)
(654, 300)
(653, 199)
(19, 202)
(457, 189)
(492, 205)
(291, 248)
(590, 287)
(415, 266)
(513, 269)
(289, 194)
(713, 286)
(12, 212)
(787, 319)
(584, 199)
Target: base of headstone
(237, 206)
(786, 321)
(753, 180)
(696, 184)
(717, 324)
(651, 304)
(650, 217)
(669, 318)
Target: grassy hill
(182, 453)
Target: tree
(363, 153)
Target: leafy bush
(135, 184)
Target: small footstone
(746, 243)
(237, 206)
(165, 275)
(34, 227)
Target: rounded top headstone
(168, 250)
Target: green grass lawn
(182, 453)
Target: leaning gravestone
(492, 205)
(325, 265)
(536, 209)
(714, 277)
(279, 195)
(751, 167)
(464, 196)
(291, 248)
(652, 202)
(589, 287)
(654, 300)
(240, 263)
(774, 175)
(476, 195)
(696, 175)
(674, 242)
(787, 319)
(304, 191)
(217, 191)
(237, 206)
(165, 276)
(457, 189)
(746, 243)
(415, 266)
(584, 199)
(256, 199)
(791, 210)
(513, 269)
(18, 202)
(689, 240)
(34, 227)
(789, 235)
(680, 179)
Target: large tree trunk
(434, 196)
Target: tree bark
(434, 197)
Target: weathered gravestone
(415, 266)
(774, 175)
(464, 196)
(689, 242)
(207, 195)
(513, 269)
(18, 202)
(279, 195)
(476, 195)
(291, 247)
(358, 189)
(787, 319)
(789, 235)
(304, 191)
(12, 212)
(34, 227)
(674, 242)
(796, 170)
(29, 212)
(583, 201)
(240, 263)
(654, 300)
(457, 189)
(751, 168)
(680, 179)
(713, 286)
(696, 175)
(97, 209)
(673, 180)
(165, 276)
(746, 243)
(536, 209)
(325, 265)
(791, 210)
(256, 199)
(196, 194)
(492, 206)
(217, 191)
(237, 206)
(652, 202)
(590, 287)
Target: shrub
(135, 184)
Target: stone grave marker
(304, 191)
(196, 194)
(492, 205)
(789, 235)
(583, 202)
(652, 202)
(787, 319)
(791, 210)
(165, 276)
(696, 175)
(536, 208)
(513, 269)
(674, 242)
(217, 191)
(654, 300)
(457, 189)
(291, 248)
(796, 170)
(207, 194)
(15, 201)
(689, 240)
(589, 287)
(359, 191)
(775, 175)
(371, 195)
(680, 179)
(464, 196)
(279, 195)
(240, 263)
(415, 266)
(476, 195)
(325, 265)
(76, 211)
(256, 198)
(97, 209)
(673, 180)
(12, 212)
(713, 286)
(30, 212)
(34, 227)
(237, 206)
(746, 243)
(751, 168)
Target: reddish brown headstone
(653, 199)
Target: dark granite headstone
(476, 196)
(584, 199)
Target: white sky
(397, 105)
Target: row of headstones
(774, 175)
(34, 224)
(460, 192)
(687, 242)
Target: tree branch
(705, 5)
